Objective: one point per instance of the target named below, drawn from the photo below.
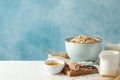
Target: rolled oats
(84, 39)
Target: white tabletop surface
(34, 70)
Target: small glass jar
(109, 63)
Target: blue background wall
(28, 28)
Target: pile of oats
(84, 39)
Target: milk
(109, 63)
(112, 47)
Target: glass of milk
(109, 63)
(113, 46)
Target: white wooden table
(34, 70)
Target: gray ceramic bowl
(82, 52)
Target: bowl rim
(68, 40)
(60, 62)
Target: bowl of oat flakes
(83, 48)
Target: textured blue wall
(28, 28)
